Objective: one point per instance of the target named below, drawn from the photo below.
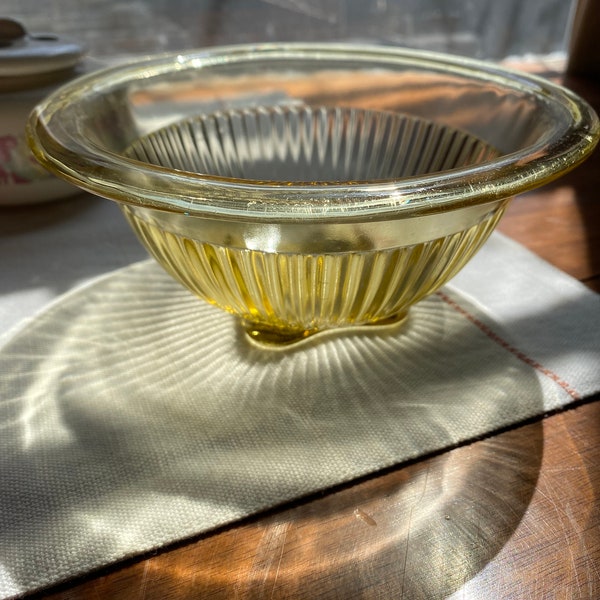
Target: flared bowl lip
(59, 143)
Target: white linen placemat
(133, 415)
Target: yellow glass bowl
(305, 187)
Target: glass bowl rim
(100, 170)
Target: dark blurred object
(11, 32)
(584, 49)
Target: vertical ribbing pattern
(302, 143)
(298, 292)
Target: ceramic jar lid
(29, 60)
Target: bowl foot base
(273, 337)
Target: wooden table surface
(515, 515)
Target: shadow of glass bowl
(130, 397)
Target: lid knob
(11, 31)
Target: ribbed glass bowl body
(305, 187)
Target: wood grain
(512, 516)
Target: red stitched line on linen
(520, 355)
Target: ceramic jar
(31, 66)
